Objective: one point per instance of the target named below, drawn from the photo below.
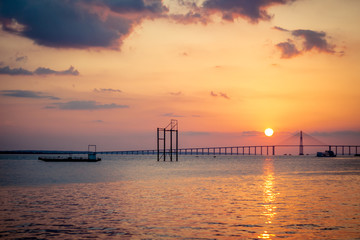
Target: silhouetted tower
(301, 146)
(172, 128)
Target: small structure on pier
(92, 152)
(162, 139)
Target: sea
(198, 197)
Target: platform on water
(68, 159)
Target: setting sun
(269, 132)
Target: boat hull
(69, 159)
(326, 154)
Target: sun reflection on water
(269, 197)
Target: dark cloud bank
(39, 71)
(26, 94)
(75, 23)
(71, 105)
(105, 23)
(85, 105)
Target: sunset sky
(109, 73)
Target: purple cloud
(86, 105)
(213, 94)
(224, 95)
(106, 23)
(220, 94)
(39, 71)
(310, 40)
(252, 10)
(288, 49)
(171, 115)
(21, 59)
(76, 23)
(175, 93)
(314, 40)
(107, 90)
(26, 94)
(48, 71)
(14, 71)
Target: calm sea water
(136, 197)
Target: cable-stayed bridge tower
(301, 146)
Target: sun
(269, 132)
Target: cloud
(220, 94)
(251, 10)
(14, 71)
(175, 93)
(39, 71)
(107, 90)
(224, 95)
(76, 23)
(172, 115)
(48, 71)
(251, 133)
(98, 121)
(314, 40)
(194, 133)
(26, 94)
(213, 94)
(338, 134)
(310, 40)
(85, 105)
(280, 29)
(288, 49)
(21, 59)
(106, 23)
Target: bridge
(239, 150)
(165, 136)
(167, 146)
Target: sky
(107, 72)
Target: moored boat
(326, 154)
(68, 159)
(91, 157)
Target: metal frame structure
(91, 146)
(172, 128)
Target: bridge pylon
(301, 146)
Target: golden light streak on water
(269, 197)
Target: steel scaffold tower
(172, 128)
